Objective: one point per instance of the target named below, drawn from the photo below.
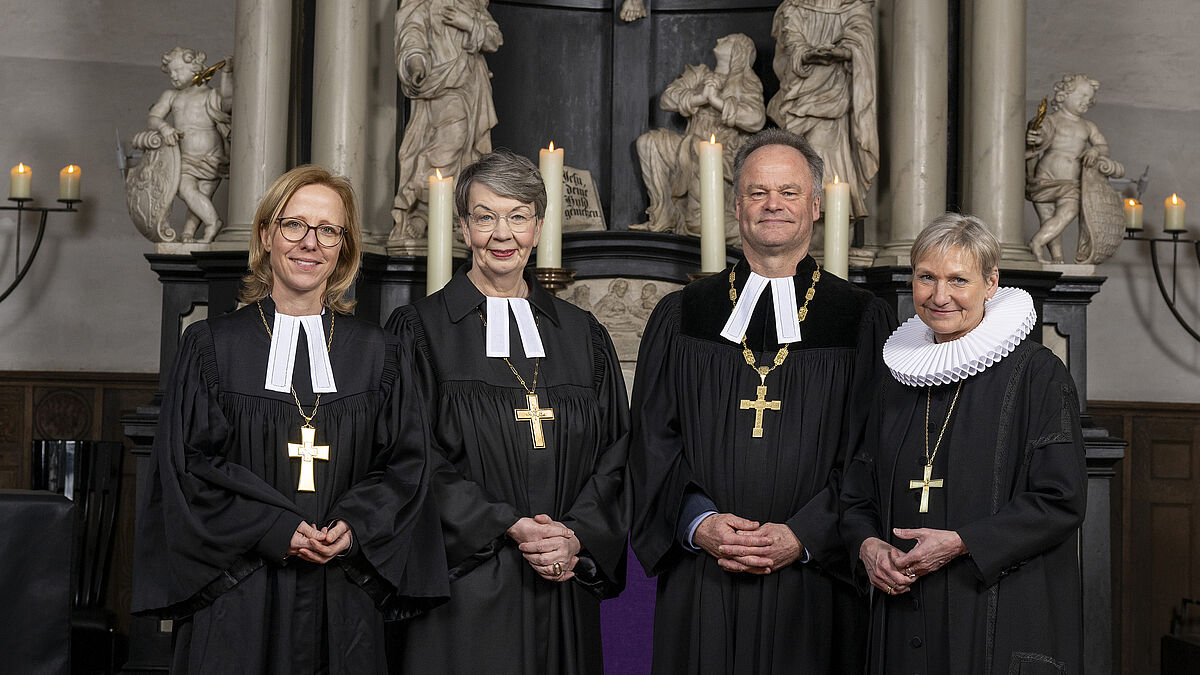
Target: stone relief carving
(632, 10)
(1066, 170)
(726, 102)
(439, 60)
(185, 150)
(825, 60)
(623, 308)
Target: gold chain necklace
(533, 413)
(760, 404)
(926, 481)
(305, 450)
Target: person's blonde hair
(956, 230)
(258, 282)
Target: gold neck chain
(328, 347)
(946, 423)
(782, 354)
(537, 363)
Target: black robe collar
(462, 298)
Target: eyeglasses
(294, 229)
(486, 221)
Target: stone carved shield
(1101, 218)
(151, 186)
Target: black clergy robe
(502, 617)
(691, 436)
(1015, 490)
(221, 504)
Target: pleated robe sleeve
(601, 512)
(816, 524)
(658, 469)
(391, 511)
(203, 524)
(474, 523)
(1049, 499)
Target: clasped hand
(894, 571)
(741, 545)
(549, 547)
(320, 546)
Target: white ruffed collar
(917, 360)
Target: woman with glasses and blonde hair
(285, 516)
(529, 413)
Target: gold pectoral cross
(760, 405)
(306, 452)
(534, 415)
(923, 485)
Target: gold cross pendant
(760, 405)
(535, 416)
(923, 485)
(306, 452)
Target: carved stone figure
(825, 60)
(1066, 166)
(185, 150)
(726, 102)
(632, 10)
(439, 59)
(613, 309)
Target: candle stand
(21, 208)
(1175, 240)
(554, 279)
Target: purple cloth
(627, 623)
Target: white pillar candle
(440, 232)
(68, 182)
(1133, 215)
(837, 228)
(20, 179)
(1173, 211)
(550, 164)
(712, 205)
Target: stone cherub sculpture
(1066, 170)
(825, 60)
(726, 102)
(185, 149)
(439, 59)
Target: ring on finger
(558, 569)
(890, 590)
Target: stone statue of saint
(1066, 165)
(726, 102)
(185, 149)
(439, 59)
(825, 60)
(632, 10)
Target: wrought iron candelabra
(43, 212)
(1176, 239)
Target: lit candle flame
(551, 146)
(1133, 202)
(70, 168)
(439, 173)
(21, 168)
(712, 138)
(1174, 198)
(836, 180)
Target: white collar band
(916, 359)
(497, 327)
(783, 292)
(282, 361)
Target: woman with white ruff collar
(964, 503)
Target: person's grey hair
(816, 166)
(507, 174)
(956, 230)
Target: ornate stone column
(917, 81)
(339, 110)
(262, 69)
(994, 179)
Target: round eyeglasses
(486, 221)
(295, 229)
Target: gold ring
(557, 569)
(890, 590)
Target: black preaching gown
(502, 617)
(221, 504)
(690, 435)
(1015, 490)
